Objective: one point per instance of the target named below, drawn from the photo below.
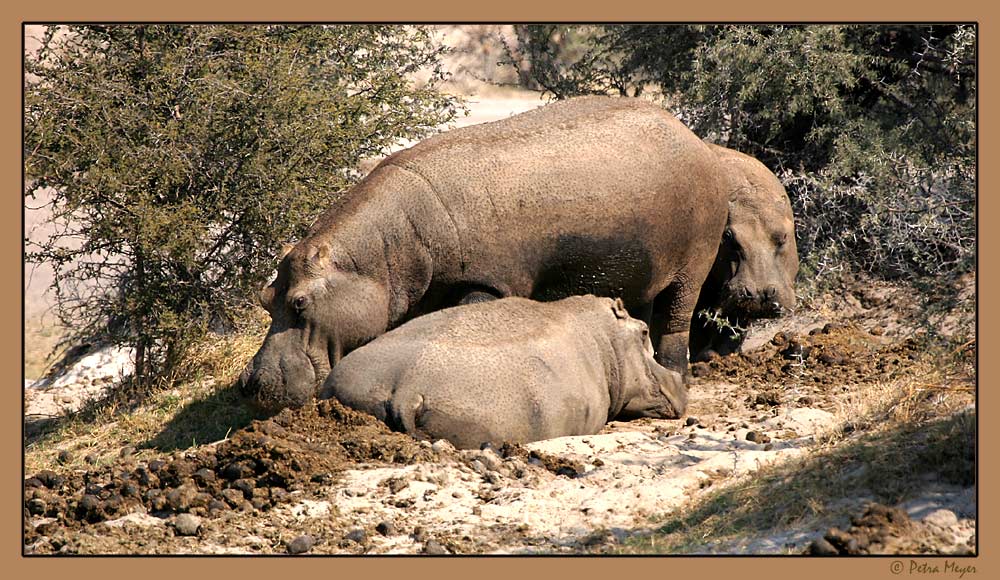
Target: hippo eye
(780, 239)
(727, 235)
(300, 303)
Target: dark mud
(811, 370)
(886, 530)
(259, 468)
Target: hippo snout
(271, 390)
(765, 303)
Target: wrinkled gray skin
(510, 370)
(595, 195)
(753, 276)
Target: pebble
(126, 451)
(491, 460)
(942, 518)
(442, 446)
(301, 544)
(419, 534)
(434, 547)
(36, 507)
(181, 498)
(204, 476)
(756, 437)
(89, 508)
(691, 421)
(357, 535)
(187, 525)
(64, 457)
(91, 458)
(386, 529)
(821, 547)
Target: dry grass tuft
(174, 415)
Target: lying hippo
(595, 195)
(510, 370)
(754, 272)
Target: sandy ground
(328, 480)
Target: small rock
(755, 437)
(942, 518)
(187, 525)
(90, 458)
(386, 529)
(36, 507)
(301, 544)
(442, 446)
(237, 470)
(700, 369)
(397, 484)
(434, 548)
(691, 421)
(204, 476)
(832, 327)
(156, 465)
(821, 547)
(419, 534)
(233, 497)
(217, 506)
(64, 457)
(89, 509)
(805, 401)
(126, 451)
(877, 331)
(181, 498)
(357, 535)
(491, 460)
(245, 486)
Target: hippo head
(320, 310)
(648, 389)
(754, 271)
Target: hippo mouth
(749, 307)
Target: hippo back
(592, 195)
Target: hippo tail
(403, 412)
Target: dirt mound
(886, 530)
(818, 365)
(257, 469)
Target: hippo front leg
(670, 327)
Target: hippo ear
(618, 307)
(318, 255)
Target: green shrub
(872, 128)
(179, 158)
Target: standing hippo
(510, 370)
(594, 195)
(754, 272)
